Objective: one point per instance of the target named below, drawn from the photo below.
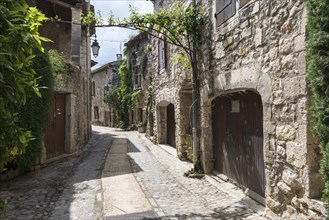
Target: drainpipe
(88, 75)
(195, 146)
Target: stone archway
(166, 123)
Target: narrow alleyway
(122, 175)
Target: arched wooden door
(171, 140)
(238, 139)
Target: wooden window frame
(106, 89)
(96, 112)
(137, 81)
(162, 54)
(243, 3)
(225, 9)
(93, 92)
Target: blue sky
(111, 40)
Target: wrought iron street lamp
(95, 48)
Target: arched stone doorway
(238, 138)
(166, 123)
(171, 134)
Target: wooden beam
(63, 4)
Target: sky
(111, 39)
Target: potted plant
(141, 126)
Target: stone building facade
(254, 123)
(172, 95)
(138, 65)
(69, 128)
(103, 78)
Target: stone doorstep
(169, 149)
(247, 197)
(58, 159)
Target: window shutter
(93, 89)
(243, 2)
(164, 52)
(225, 9)
(159, 55)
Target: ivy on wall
(120, 98)
(318, 79)
(61, 69)
(19, 36)
(34, 115)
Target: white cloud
(109, 37)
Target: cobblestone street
(77, 189)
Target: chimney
(119, 56)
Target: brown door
(171, 125)
(55, 135)
(238, 139)
(107, 118)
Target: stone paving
(65, 190)
(174, 196)
(73, 189)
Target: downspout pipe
(195, 136)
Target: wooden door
(107, 119)
(55, 134)
(238, 139)
(171, 140)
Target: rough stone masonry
(262, 49)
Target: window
(138, 81)
(235, 106)
(96, 113)
(243, 3)
(225, 9)
(93, 88)
(140, 114)
(162, 61)
(106, 89)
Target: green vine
(34, 115)
(318, 79)
(3, 204)
(61, 68)
(19, 37)
(121, 98)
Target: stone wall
(262, 48)
(171, 84)
(74, 85)
(105, 76)
(139, 65)
(100, 79)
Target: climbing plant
(61, 68)
(180, 26)
(3, 203)
(18, 37)
(34, 115)
(318, 78)
(121, 97)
